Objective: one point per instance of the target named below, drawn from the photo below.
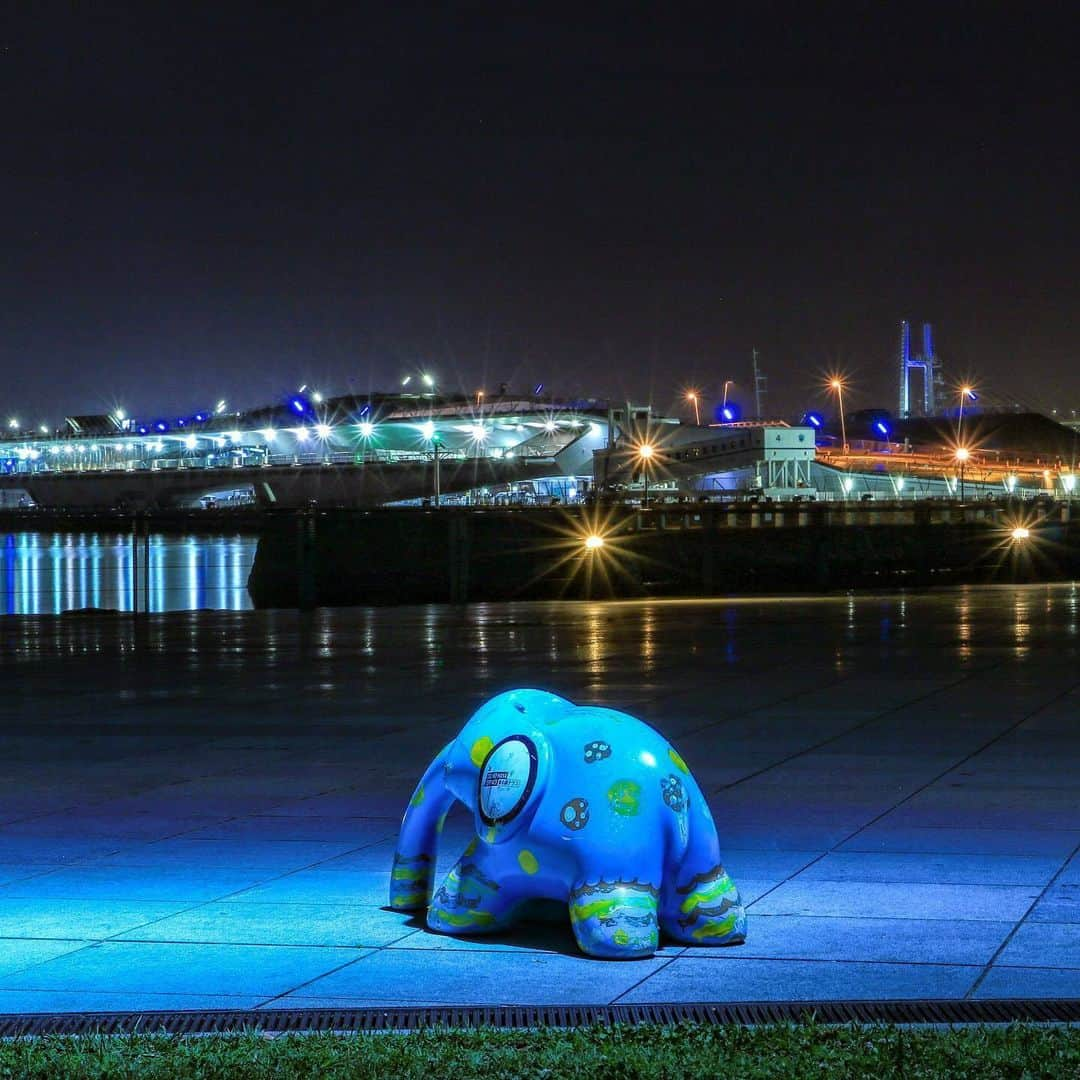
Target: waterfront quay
(457, 555)
(394, 555)
(201, 809)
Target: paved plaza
(199, 811)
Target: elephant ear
(512, 778)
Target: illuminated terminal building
(436, 449)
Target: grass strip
(699, 1051)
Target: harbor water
(48, 573)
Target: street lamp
(962, 454)
(838, 385)
(645, 454)
(726, 385)
(692, 397)
(966, 394)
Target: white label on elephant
(504, 779)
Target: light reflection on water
(47, 573)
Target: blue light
(298, 406)
(883, 428)
(537, 388)
(160, 425)
(727, 412)
(814, 419)
(200, 417)
(972, 396)
(143, 429)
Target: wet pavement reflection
(200, 809)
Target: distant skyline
(210, 205)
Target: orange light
(646, 451)
(593, 542)
(962, 453)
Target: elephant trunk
(414, 860)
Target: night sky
(211, 205)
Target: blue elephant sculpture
(586, 806)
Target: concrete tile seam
(643, 980)
(806, 751)
(1020, 922)
(974, 753)
(258, 944)
(322, 975)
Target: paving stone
(1033, 982)
(281, 924)
(62, 1001)
(166, 968)
(79, 919)
(909, 941)
(1061, 904)
(1037, 943)
(455, 977)
(98, 882)
(1070, 875)
(17, 954)
(933, 868)
(354, 831)
(281, 856)
(57, 850)
(974, 841)
(369, 887)
(725, 978)
(994, 903)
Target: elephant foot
(468, 902)
(706, 911)
(615, 919)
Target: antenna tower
(760, 387)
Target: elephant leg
(703, 909)
(474, 899)
(615, 919)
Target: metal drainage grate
(999, 1011)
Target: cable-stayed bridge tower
(933, 378)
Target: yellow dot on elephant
(480, 750)
(677, 761)
(527, 861)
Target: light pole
(838, 386)
(966, 394)
(436, 441)
(726, 385)
(692, 397)
(645, 453)
(962, 454)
